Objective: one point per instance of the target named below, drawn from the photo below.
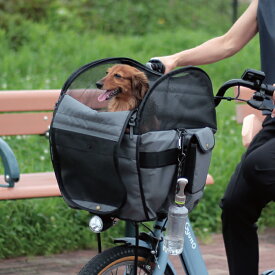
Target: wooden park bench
(27, 112)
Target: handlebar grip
(156, 65)
(268, 89)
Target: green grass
(45, 60)
(41, 226)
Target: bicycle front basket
(124, 164)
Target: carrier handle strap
(158, 159)
(168, 157)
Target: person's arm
(220, 47)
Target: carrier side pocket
(197, 163)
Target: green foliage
(43, 42)
(41, 226)
(120, 17)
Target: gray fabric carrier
(125, 164)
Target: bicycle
(144, 254)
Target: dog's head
(123, 81)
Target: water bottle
(177, 214)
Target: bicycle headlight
(96, 224)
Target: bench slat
(28, 100)
(36, 185)
(209, 179)
(39, 185)
(25, 123)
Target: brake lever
(263, 105)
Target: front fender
(132, 242)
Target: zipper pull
(132, 124)
(180, 136)
(181, 154)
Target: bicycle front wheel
(120, 260)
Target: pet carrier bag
(125, 164)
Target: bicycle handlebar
(251, 79)
(267, 89)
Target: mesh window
(82, 84)
(181, 99)
(84, 89)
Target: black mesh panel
(180, 100)
(82, 84)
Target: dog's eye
(117, 75)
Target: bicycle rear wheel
(120, 260)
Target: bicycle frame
(191, 257)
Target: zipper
(182, 150)
(181, 134)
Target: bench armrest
(10, 163)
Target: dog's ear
(140, 84)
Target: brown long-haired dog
(124, 86)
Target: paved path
(71, 263)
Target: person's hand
(273, 112)
(168, 62)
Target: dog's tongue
(104, 96)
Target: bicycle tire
(119, 259)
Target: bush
(117, 17)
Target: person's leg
(249, 190)
(259, 168)
(239, 215)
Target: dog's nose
(99, 84)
